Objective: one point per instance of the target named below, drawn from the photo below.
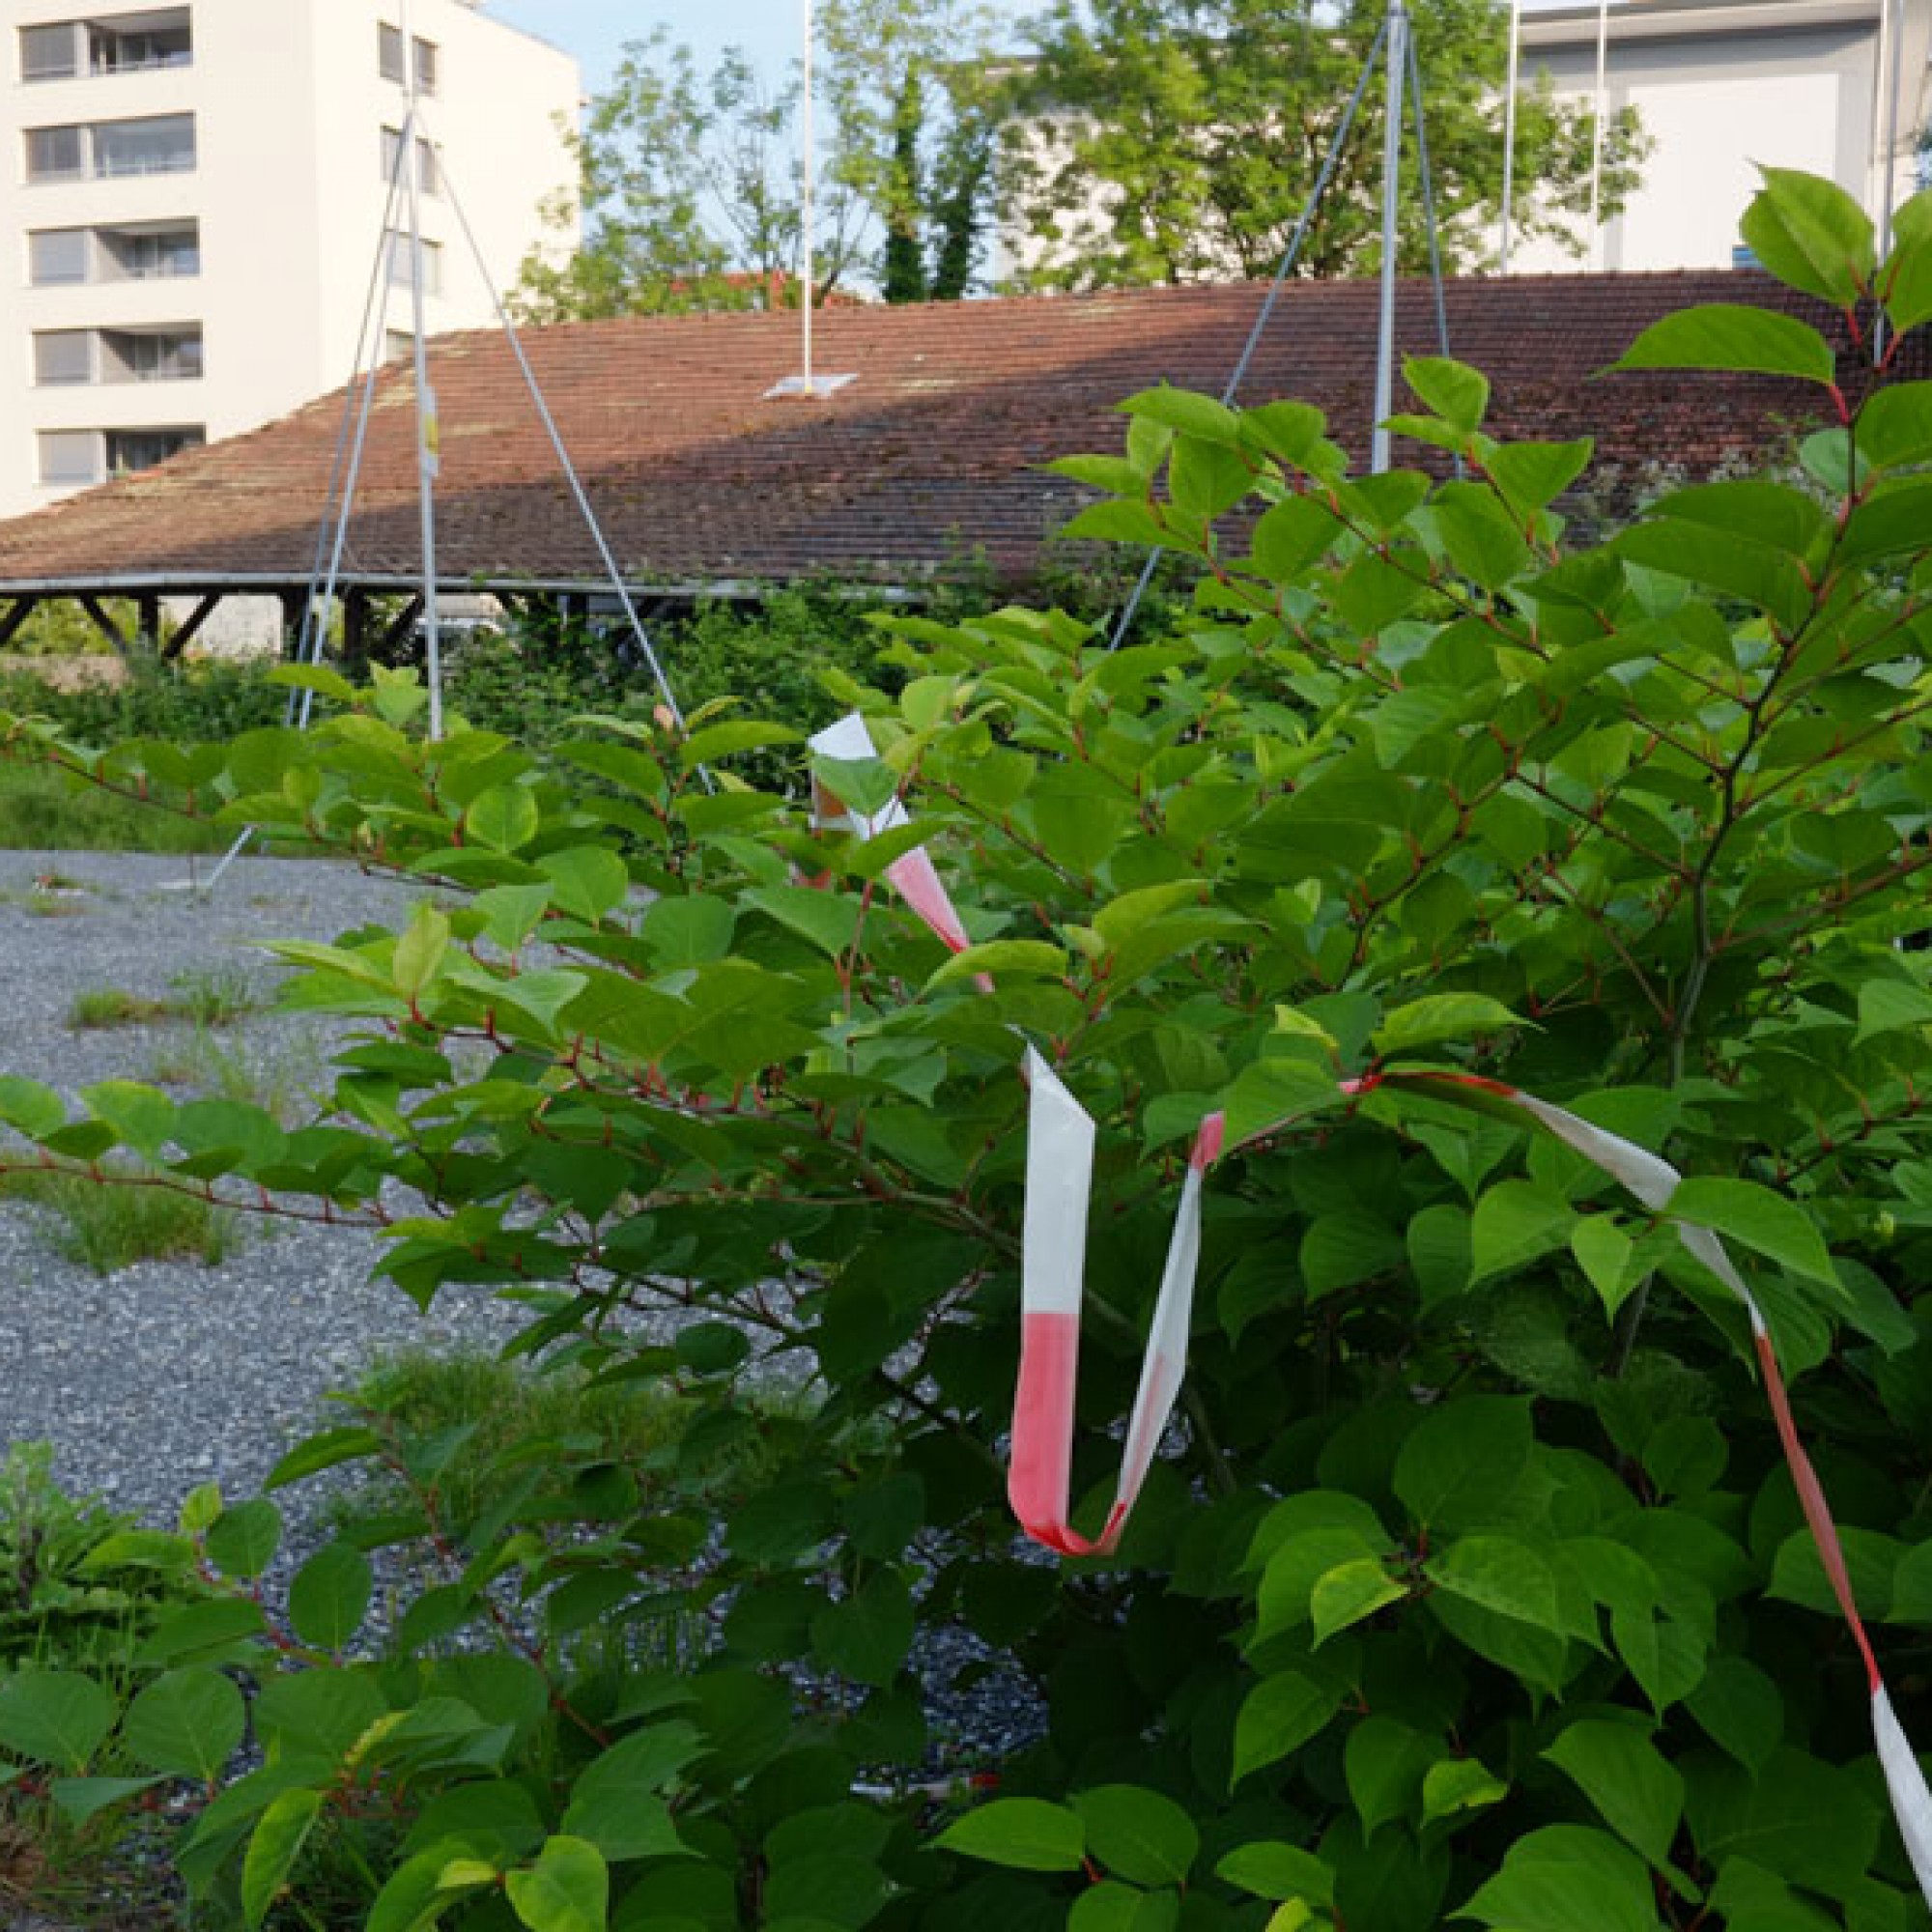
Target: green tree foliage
(1472, 1586)
(690, 184)
(1180, 140)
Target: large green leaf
(1808, 231)
(274, 1848)
(1028, 1833)
(1725, 336)
(57, 1717)
(1138, 1834)
(1566, 1878)
(1755, 1217)
(1637, 1792)
(1456, 1470)
(1277, 1717)
(566, 1889)
(1503, 1575)
(190, 1722)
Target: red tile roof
(931, 455)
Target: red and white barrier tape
(1060, 1164)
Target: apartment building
(1721, 86)
(200, 211)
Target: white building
(1723, 85)
(196, 209)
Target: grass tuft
(207, 997)
(110, 1224)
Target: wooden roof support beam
(97, 613)
(195, 619)
(17, 613)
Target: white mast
(807, 265)
(1395, 66)
(1596, 135)
(1509, 138)
(428, 433)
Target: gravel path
(171, 1374)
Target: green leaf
(711, 742)
(1382, 1764)
(329, 1596)
(1458, 393)
(1725, 336)
(1893, 1006)
(688, 931)
(1741, 1708)
(1348, 1592)
(1003, 959)
(1756, 1218)
(189, 1721)
(1566, 1878)
(1184, 410)
(567, 1890)
(55, 1717)
(866, 1634)
(80, 1798)
(1271, 1869)
(617, 1800)
(1811, 235)
(274, 1848)
(419, 952)
(1112, 1906)
(1277, 1717)
(1808, 1821)
(1459, 1465)
(1456, 1784)
(1027, 1834)
(1605, 1253)
(505, 819)
(1516, 1222)
(1138, 1834)
(1637, 1792)
(1499, 1574)
(1441, 1016)
(323, 1451)
(242, 1540)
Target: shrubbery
(1472, 1585)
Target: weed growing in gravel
(208, 997)
(109, 1229)
(285, 1083)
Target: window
(400, 258)
(425, 52)
(70, 456)
(163, 144)
(426, 169)
(150, 252)
(389, 54)
(142, 449)
(63, 356)
(54, 154)
(160, 144)
(136, 42)
(58, 255)
(398, 345)
(139, 251)
(149, 355)
(49, 53)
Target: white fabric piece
(1911, 1801)
(1060, 1173)
(1648, 1176)
(1164, 1363)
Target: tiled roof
(931, 455)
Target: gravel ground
(171, 1374)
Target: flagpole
(1396, 66)
(1509, 138)
(428, 435)
(807, 265)
(1597, 251)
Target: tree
(1180, 140)
(690, 183)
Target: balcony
(160, 144)
(132, 251)
(75, 358)
(104, 45)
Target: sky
(593, 30)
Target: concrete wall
(289, 105)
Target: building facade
(201, 210)
(1720, 86)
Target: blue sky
(593, 30)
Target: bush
(1471, 1583)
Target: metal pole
(1396, 69)
(1509, 138)
(1596, 135)
(807, 265)
(1894, 30)
(428, 431)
